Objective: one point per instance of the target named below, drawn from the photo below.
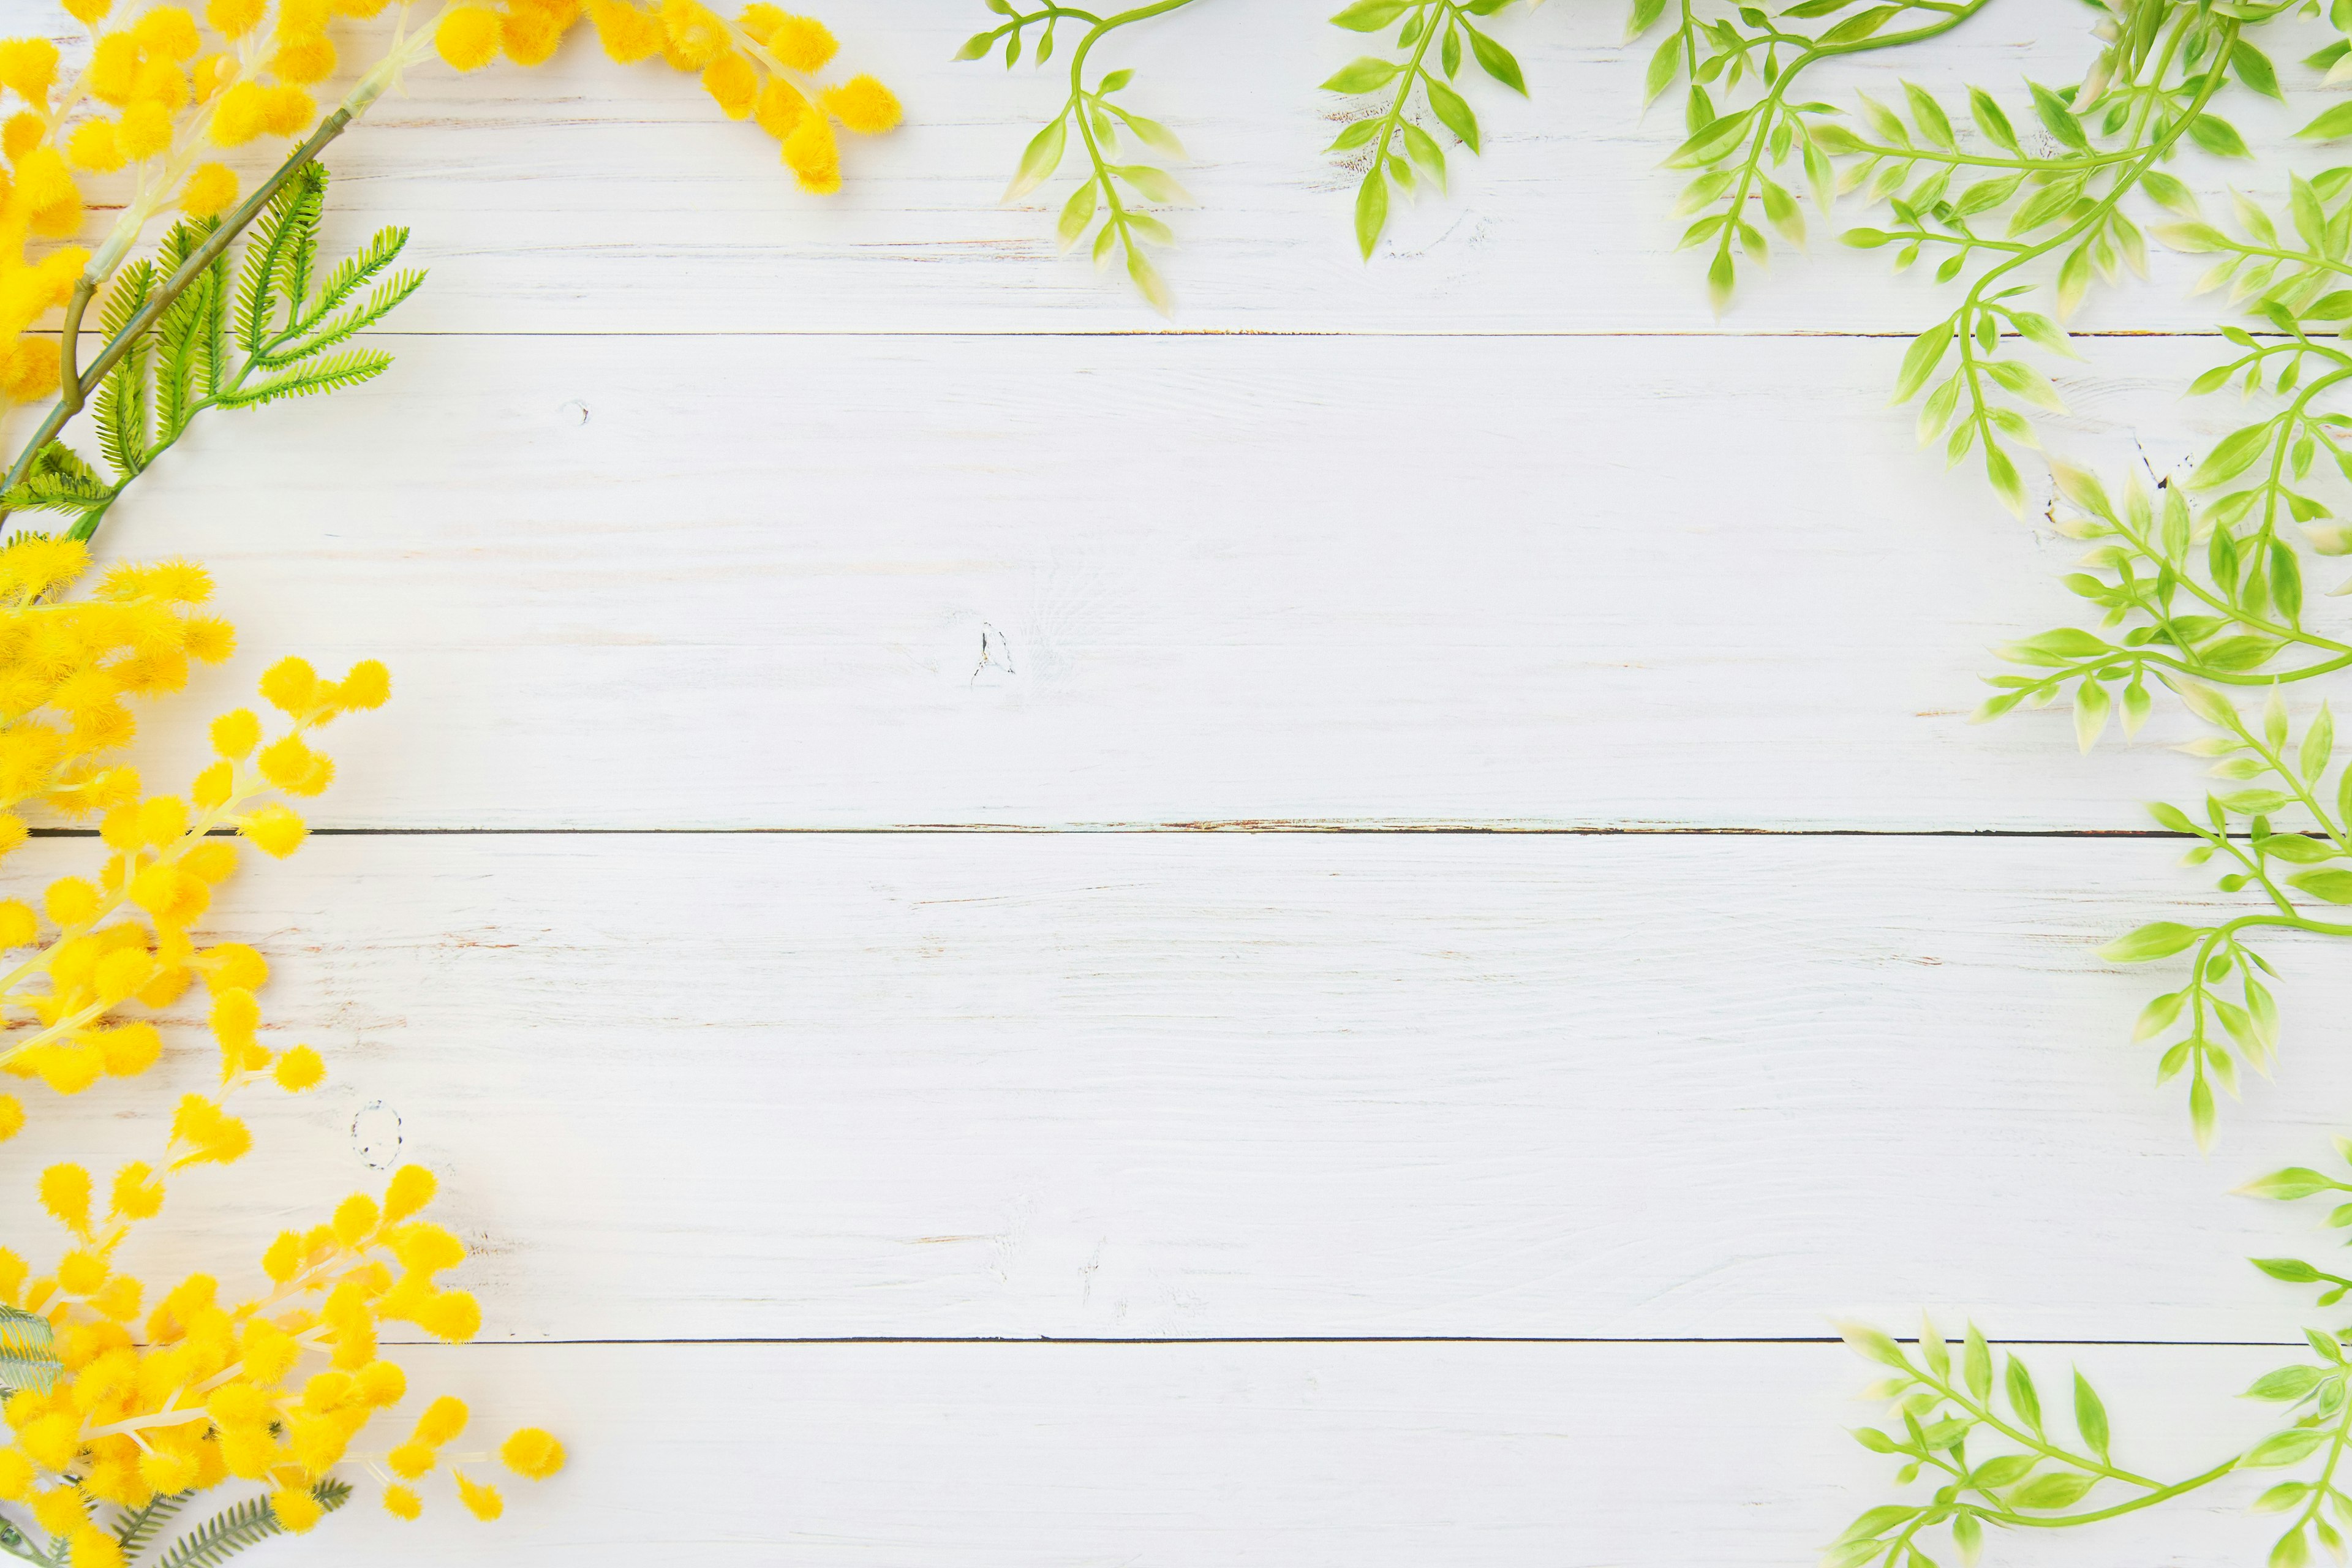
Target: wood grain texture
(1281, 1455)
(1147, 1085)
(1049, 582)
(698, 504)
(585, 196)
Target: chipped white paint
(696, 504)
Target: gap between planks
(1181, 1342)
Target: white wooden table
(1327, 934)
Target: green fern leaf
(27, 1356)
(265, 259)
(348, 275)
(302, 239)
(139, 1528)
(240, 1525)
(374, 308)
(332, 374)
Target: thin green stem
(2162, 1494)
(77, 387)
(1775, 96)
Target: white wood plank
(1287, 1455)
(590, 197)
(851, 583)
(1147, 1085)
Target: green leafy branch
(270, 328)
(2288, 867)
(209, 1545)
(2067, 209)
(1736, 150)
(1398, 144)
(1109, 190)
(2023, 1475)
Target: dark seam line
(1891, 334)
(1345, 1339)
(1206, 829)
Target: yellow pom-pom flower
(814, 156)
(533, 1453)
(287, 110)
(467, 36)
(864, 105)
(29, 67)
(29, 369)
(274, 829)
(802, 43)
(299, 1069)
(483, 1503)
(211, 188)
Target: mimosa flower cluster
(67, 667)
(760, 67)
(160, 93)
(163, 1398)
(276, 1389)
(99, 948)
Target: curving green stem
(1773, 104)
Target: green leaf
(1039, 159)
(1868, 1342)
(1372, 210)
(2283, 1448)
(2064, 1489)
(1372, 15)
(2231, 455)
(1496, 61)
(2288, 1382)
(2057, 118)
(1154, 184)
(2003, 475)
(2160, 939)
(2218, 136)
(1077, 213)
(2000, 1471)
(1877, 1522)
(2159, 1016)
(2282, 1497)
(2018, 1383)
(1451, 111)
(2065, 646)
(1976, 1364)
(2331, 887)
(2254, 69)
(976, 46)
(1146, 279)
(1929, 117)
(1919, 362)
(1366, 73)
(2294, 1271)
(1711, 140)
(2090, 1414)
(2334, 123)
(1990, 119)
(2254, 802)
(2318, 744)
(2294, 1182)
(2091, 708)
(1664, 67)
